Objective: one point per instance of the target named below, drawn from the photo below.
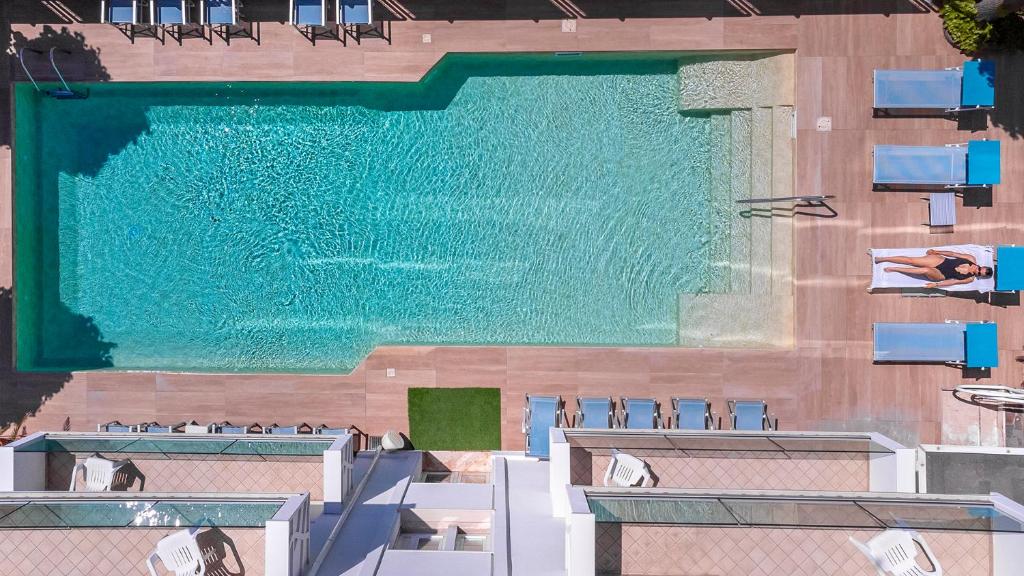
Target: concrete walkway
(538, 538)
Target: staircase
(750, 305)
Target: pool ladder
(65, 93)
(812, 199)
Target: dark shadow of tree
(1009, 111)
(23, 393)
(78, 61)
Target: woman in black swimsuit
(941, 267)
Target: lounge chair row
(974, 164)
(599, 413)
(191, 18)
(219, 428)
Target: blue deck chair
(326, 430)
(175, 18)
(119, 12)
(970, 87)
(310, 17)
(594, 412)
(971, 344)
(229, 428)
(640, 414)
(157, 428)
(116, 426)
(1009, 268)
(749, 415)
(539, 416)
(221, 16)
(288, 430)
(356, 19)
(951, 166)
(126, 15)
(692, 414)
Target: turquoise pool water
(294, 227)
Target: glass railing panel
(138, 513)
(830, 514)
(179, 445)
(812, 444)
(942, 517)
(660, 510)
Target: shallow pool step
(741, 82)
(758, 309)
(719, 231)
(740, 186)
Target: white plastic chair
(626, 471)
(179, 552)
(100, 474)
(894, 552)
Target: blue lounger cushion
(169, 12)
(749, 415)
(220, 12)
(121, 11)
(595, 412)
(1010, 268)
(543, 416)
(356, 11)
(981, 341)
(979, 87)
(972, 344)
(639, 413)
(692, 414)
(940, 165)
(918, 88)
(310, 13)
(983, 162)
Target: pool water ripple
(505, 200)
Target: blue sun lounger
(594, 412)
(540, 415)
(692, 414)
(119, 11)
(1010, 268)
(749, 415)
(640, 414)
(950, 166)
(310, 17)
(970, 344)
(970, 87)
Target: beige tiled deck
(735, 470)
(826, 382)
(636, 549)
(82, 552)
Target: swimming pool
(512, 199)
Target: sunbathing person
(941, 267)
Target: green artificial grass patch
(455, 418)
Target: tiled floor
(83, 552)
(827, 382)
(691, 550)
(736, 470)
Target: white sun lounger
(882, 279)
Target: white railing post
(580, 534)
(21, 469)
(558, 472)
(339, 462)
(287, 538)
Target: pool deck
(827, 382)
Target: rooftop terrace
(826, 381)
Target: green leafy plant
(960, 18)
